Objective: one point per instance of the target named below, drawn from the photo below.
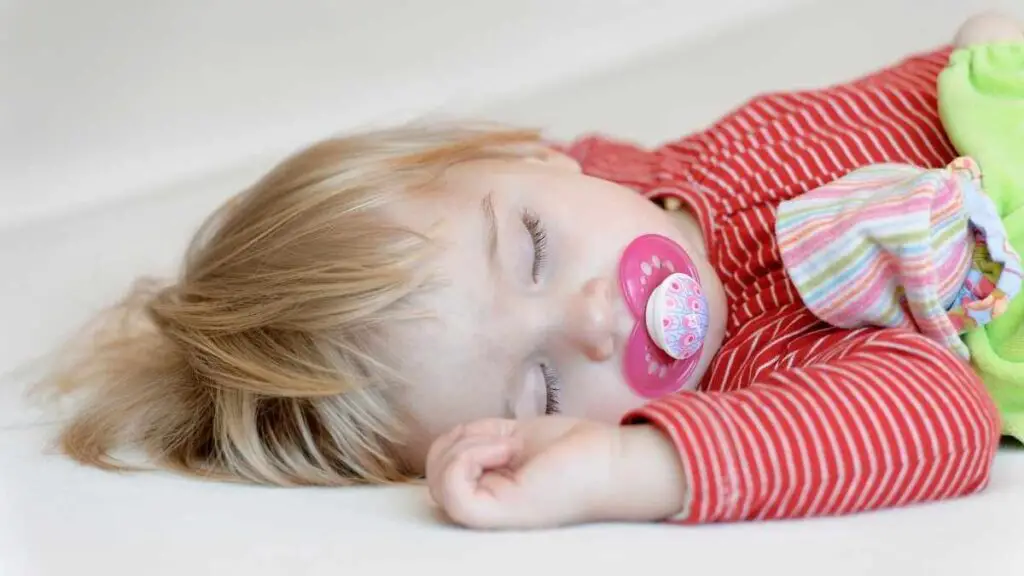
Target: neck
(688, 224)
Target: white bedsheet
(59, 518)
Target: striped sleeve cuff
(696, 427)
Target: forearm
(881, 425)
(649, 478)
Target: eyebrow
(491, 219)
(487, 207)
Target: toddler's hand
(553, 471)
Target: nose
(590, 321)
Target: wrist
(648, 479)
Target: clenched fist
(553, 471)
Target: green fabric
(981, 103)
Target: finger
(485, 427)
(463, 447)
(465, 499)
(468, 444)
(518, 499)
(437, 455)
(499, 500)
(442, 443)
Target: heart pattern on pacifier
(677, 316)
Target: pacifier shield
(645, 269)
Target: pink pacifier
(662, 290)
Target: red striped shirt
(794, 417)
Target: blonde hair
(264, 362)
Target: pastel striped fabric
(795, 417)
(887, 245)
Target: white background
(110, 97)
(124, 122)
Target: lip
(646, 263)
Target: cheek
(437, 408)
(530, 399)
(600, 393)
(618, 215)
(592, 241)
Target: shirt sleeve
(871, 419)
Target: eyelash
(539, 235)
(553, 390)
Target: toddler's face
(529, 317)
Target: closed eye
(539, 236)
(553, 390)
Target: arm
(869, 419)
(877, 419)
